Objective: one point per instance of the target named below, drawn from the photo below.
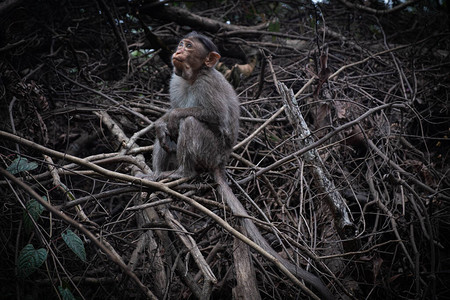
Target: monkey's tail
(254, 234)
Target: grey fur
(205, 139)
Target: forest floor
(342, 160)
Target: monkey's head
(194, 52)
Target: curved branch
(377, 11)
(81, 228)
(185, 17)
(164, 188)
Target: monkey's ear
(211, 59)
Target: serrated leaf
(30, 260)
(75, 244)
(65, 293)
(21, 164)
(33, 209)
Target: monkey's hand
(163, 135)
(172, 118)
(168, 145)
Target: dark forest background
(358, 194)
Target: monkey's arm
(167, 126)
(204, 115)
(166, 138)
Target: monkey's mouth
(177, 59)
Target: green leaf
(65, 293)
(34, 209)
(30, 260)
(21, 164)
(136, 53)
(274, 25)
(75, 244)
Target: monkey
(197, 134)
(199, 131)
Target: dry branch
(285, 266)
(113, 257)
(379, 11)
(183, 16)
(383, 147)
(342, 218)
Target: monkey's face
(189, 58)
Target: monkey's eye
(180, 45)
(188, 45)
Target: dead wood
(340, 170)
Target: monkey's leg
(198, 148)
(162, 160)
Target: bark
(185, 17)
(247, 285)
